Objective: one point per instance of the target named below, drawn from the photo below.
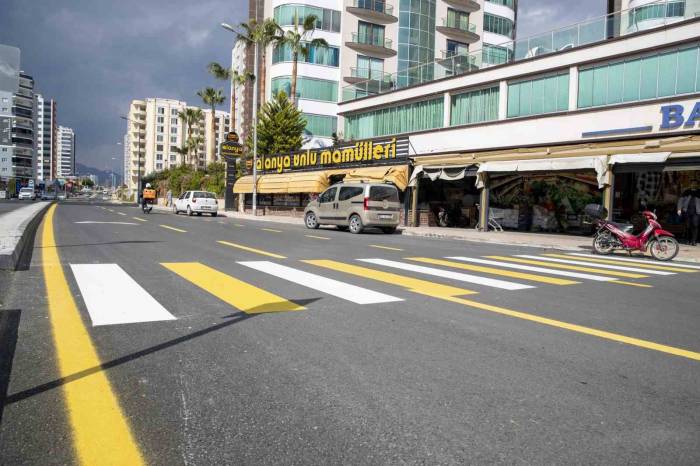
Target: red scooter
(611, 236)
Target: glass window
(161, 111)
(321, 125)
(508, 3)
(368, 33)
(498, 25)
(495, 55)
(546, 94)
(383, 193)
(173, 111)
(159, 156)
(160, 129)
(349, 192)
(173, 121)
(662, 74)
(474, 106)
(328, 56)
(328, 195)
(159, 147)
(173, 139)
(160, 119)
(416, 116)
(307, 88)
(203, 195)
(326, 19)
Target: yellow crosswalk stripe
(665, 268)
(384, 247)
(416, 285)
(139, 219)
(638, 285)
(272, 230)
(495, 271)
(249, 249)
(239, 294)
(100, 430)
(173, 228)
(553, 265)
(316, 237)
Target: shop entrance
(448, 196)
(544, 201)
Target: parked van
(356, 206)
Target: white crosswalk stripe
(113, 297)
(596, 265)
(531, 268)
(326, 285)
(463, 277)
(684, 265)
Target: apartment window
(173, 130)
(173, 121)
(328, 56)
(161, 119)
(370, 68)
(173, 139)
(307, 88)
(457, 20)
(173, 158)
(159, 129)
(159, 138)
(321, 125)
(326, 20)
(498, 25)
(159, 166)
(546, 94)
(161, 111)
(174, 111)
(662, 74)
(173, 148)
(368, 33)
(4, 99)
(495, 55)
(474, 106)
(159, 147)
(416, 116)
(159, 156)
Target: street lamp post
(138, 151)
(228, 27)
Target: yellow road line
(272, 230)
(111, 210)
(494, 271)
(316, 237)
(625, 264)
(580, 329)
(100, 431)
(385, 247)
(139, 219)
(554, 265)
(638, 285)
(239, 294)
(239, 225)
(416, 285)
(121, 213)
(173, 228)
(249, 249)
(448, 294)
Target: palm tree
(300, 43)
(190, 116)
(183, 151)
(235, 78)
(192, 145)
(265, 33)
(212, 97)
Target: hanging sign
(231, 147)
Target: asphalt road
(602, 372)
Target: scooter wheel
(665, 248)
(603, 244)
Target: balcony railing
(587, 32)
(374, 5)
(375, 40)
(462, 24)
(370, 74)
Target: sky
(95, 56)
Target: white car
(196, 202)
(27, 194)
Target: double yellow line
(101, 433)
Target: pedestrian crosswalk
(112, 296)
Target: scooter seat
(625, 227)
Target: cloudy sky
(95, 56)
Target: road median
(16, 230)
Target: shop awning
(599, 164)
(446, 173)
(307, 182)
(650, 157)
(301, 182)
(397, 174)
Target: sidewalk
(508, 238)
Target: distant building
(640, 15)
(66, 152)
(243, 109)
(156, 135)
(127, 158)
(46, 139)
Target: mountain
(103, 176)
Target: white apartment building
(46, 139)
(65, 166)
(378, 44)
(156, 133)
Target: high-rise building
(382, 43)
(66, 152)
(157, 135)
(640, 15)
(126, 156)
(239, 115)
(46, 138)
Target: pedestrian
(689, 209)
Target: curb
(9, 261)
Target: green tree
(235, 78)
(262, 33)
(212, 97)
(299, 42)
(280, 126)
(189, 116)
(192, 147)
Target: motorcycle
(611, 236)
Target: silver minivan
(356, 206)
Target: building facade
(382, 44)
(65, 166)
(47, 138)
(641, 15)
(157, 136)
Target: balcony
(459, 29)
(373, 45)
(469, 6)
(376, 11)
(376, 81)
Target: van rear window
(384, 193)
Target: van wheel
(389, 230)
(356, 224)
(311, 221)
